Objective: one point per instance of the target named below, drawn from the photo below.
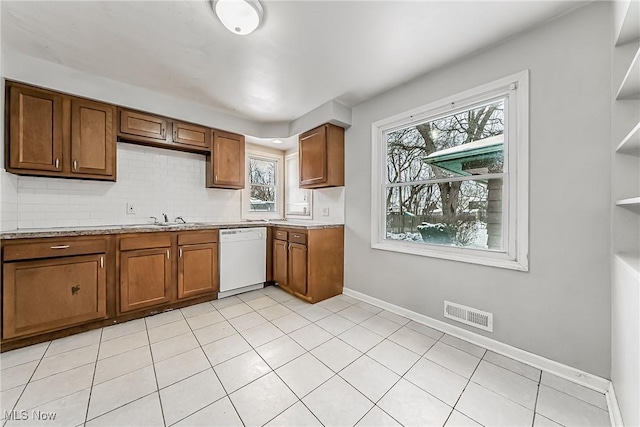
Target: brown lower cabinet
(309, 263)
(197, 264)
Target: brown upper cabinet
(225, 162)
(321, 156)
(51, 134)
(157, 131)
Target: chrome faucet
(166, 219)
(179, 218)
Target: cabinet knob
(75, 165)
(168, 253)
(57, 163)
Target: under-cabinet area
(65, 284)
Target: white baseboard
(614, 410)
(593, 382)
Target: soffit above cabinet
(305, 54)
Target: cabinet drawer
(196, 238)
(53, 248)
(144, 125)
(297, 237)
(184, 133)
(280, 235)
(162, 240)
(46, 295)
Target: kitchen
(177, 169)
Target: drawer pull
(60, 247)
(297, 236)
(75, 289)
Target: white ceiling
(305, 53)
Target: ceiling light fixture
(240, 17)
(277, 141)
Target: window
(262, 197)
(450, 178)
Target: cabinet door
(184, 133)
(312, 152)
(280, 257)
(145, 278)
(197, 269)
(225, 165)
(54, 293)
(35, 129)
(145, 125)
(93, 139)
(298, 268)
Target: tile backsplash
(153, 180)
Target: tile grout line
(155, 374)
(93, 377)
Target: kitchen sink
(164, 224)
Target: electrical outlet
(131, 209)
(325, 211)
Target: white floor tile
(280, 351)
(458, 361)
(56, 386)
(436, 380)
(214, 332)
(335, 324)
(67, 411)
(568, 410)
(225, 302)
(218, 414)
(508, 384)
(290, 322)
(123, 344)
(274, 312)
(400, 320)
(413, 406)
(465, 346)
(173, 346)
(347, 298)
(168, 330)
(17, 375)
(122, 329)
(251, 295)
(119, 391)
(262, 400)
(163, 318)
(360, 338)
(336, 403)
(261, 302)
(64, 361)
(247, 321)
(314, 313)
(144, 412)
(356, 314)
(425, 330)
(369, 377)
(336, 354)
(74, 341)
(236, 310)
(304, 374)
(380, 325)
(190, 395)
(198, 309)
(575, 390)
(376, 417)
(206, 319)
(261, 334)
(23, 355)
(540, 421)
(295, 416)
(456, 419)
(179, 367)
(282, 296)
(8, 399)
(123, 363)
(491, 409)
(513, 365)
(310, 336)
(241, 370)
(369, 307)
(225, 349)
(334, 304)
(295, 304)
(412, 340)
(393, 356)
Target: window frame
(247, 213)
(514, 254)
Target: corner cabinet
(53, 284)
(51, 134)
(225, 162)
(309, 263)
(321, 157)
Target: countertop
(34, 233)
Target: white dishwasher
(243, 260)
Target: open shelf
(630, 87)
(633, 204)
(631, 143)
(631, 260)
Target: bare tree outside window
(262, 178)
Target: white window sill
(486, 258)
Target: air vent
(469, 316)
